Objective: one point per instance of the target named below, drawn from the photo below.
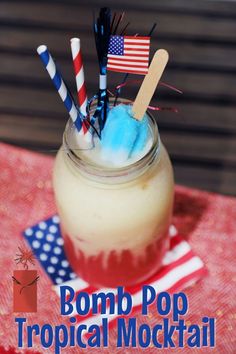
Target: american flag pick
(181, 268)
(129, 54)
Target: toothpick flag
(129, 54)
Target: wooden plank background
(201, 39)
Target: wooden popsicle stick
(149, 83)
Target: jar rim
(94, 171)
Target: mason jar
(114, 221)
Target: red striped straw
(79, 76)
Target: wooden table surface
(201, 39)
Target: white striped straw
(80, 82)
(58, 82)
(79, 74)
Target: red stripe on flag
(139, 37)
(143, 51)
(130, 71)
(121, 59)
(131, 55)
(129, 65)
(134, 43)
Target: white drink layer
(100, 217)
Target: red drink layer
(123, 268)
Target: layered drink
(114, 218)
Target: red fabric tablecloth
(207, 220)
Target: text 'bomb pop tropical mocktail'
(112, 178)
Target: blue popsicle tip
(123, 136)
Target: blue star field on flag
(47, 244)
(116, 45)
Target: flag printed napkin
(181, 267)
(47, 244)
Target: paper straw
(58, 82)
(79, 74)
(80, 83)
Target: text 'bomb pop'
(126, 130)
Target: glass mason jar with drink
(114, 220)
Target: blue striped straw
(58, 82)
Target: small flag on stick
(129, 54)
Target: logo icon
(25, 283)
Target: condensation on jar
(114, 221)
